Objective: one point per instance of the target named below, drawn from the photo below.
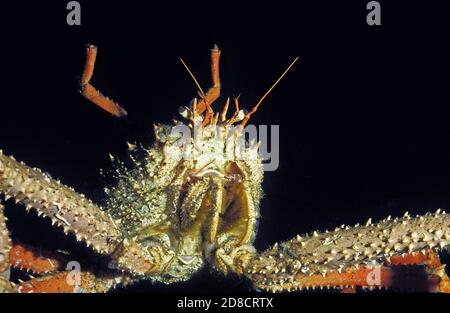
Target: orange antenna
(193, 77)
(253, 110)
(209, 110)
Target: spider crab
(168, 217)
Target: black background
(364, 115)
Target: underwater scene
(233, 147)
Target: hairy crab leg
(76, 214)
(347, 255)
(72, 282)
(92, 94)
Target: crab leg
(35, 260)
(61, 204)
(394, 275)
(76, 214)
(5, 243)
(24, 256)
(348, 256)
(377, 276)
(397, 274)
(92, 94)
(439, 280)
(5, 247)
(71, 282)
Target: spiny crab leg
(5, 243)
(348, 255)
(398, 277)
(72, 282)
(76, 214)
(436, 280)
(435, 269)
(29, 259)
(34, 260)
(63, 205)
(91, 93)
(382, 276)
(5, 247)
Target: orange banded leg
(34, 260)
(69, 282)
(214, 91)
(92, 94)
